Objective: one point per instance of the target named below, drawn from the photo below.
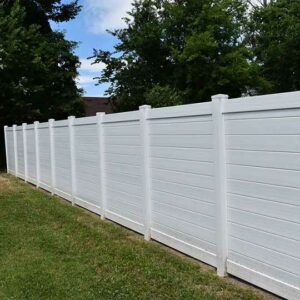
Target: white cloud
(85, 79)
(86, 65)
(105, 14)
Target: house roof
(97, 104)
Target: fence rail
(219, 181)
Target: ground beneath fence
(51, 250)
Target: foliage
(275, 38)
(160, 96)
(51, 250)
(195, 47)
(37, 70)
(40, 12)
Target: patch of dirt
(135, 237)
(6, 184)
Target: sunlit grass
(51, 250)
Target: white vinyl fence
(219, 181)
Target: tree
(37, 72)
(276, 42)
(40, 12)
(255, 3)
(194, 47)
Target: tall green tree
(275, 39)
(37, 70)
(40, 12)
(188, 49)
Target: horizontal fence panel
(188, 179)
(45, 155)
(123, 159)
(185, 141)
(60, 123)
(131, 129)
(284, 143)
(265, 207)
(181, 111)
(87, 163)
(20, 151)
(183, 201)
(10, 150)
(85, 121)
(123, 140)
(267, 159)
(264, 126)
(262, 238)
(185, 154)
(288, 178)
(189, 128)
(280, 194)
(31, 154)
(266, 102)
(195, 167)
(63, 183)
(280, 264)
(188, 191)
(259, 221)
(263, 178)
(122, 117)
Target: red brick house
(96, 104)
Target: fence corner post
(37, 152)
(71, 121)
(101, 145)
(6, 149)
(144, 115)
(220, 183)
(15, 149)
(52, 155)
(24, 128)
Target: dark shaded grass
(51, 250)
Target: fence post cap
(100, 114)
(14, 126)
(36, 122)
(219, 97)
(145, 107)
(24, 125)
(71, 120)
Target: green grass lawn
(51, 250)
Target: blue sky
(89, 30)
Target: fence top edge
(121, 117)
(85, 120)
(196, 109)
(264, 102)
(61, 123)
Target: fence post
(6, 150)
(15, 150)
(24, 128)
(144, 113)
(37, 153)
(101, 145)
(220, 182)
(71, 120)
(52, 155)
